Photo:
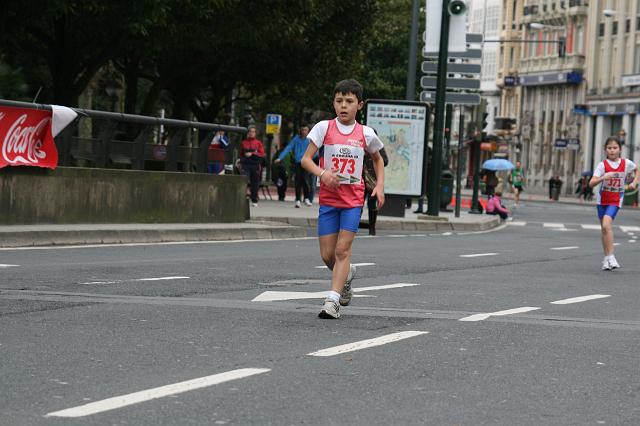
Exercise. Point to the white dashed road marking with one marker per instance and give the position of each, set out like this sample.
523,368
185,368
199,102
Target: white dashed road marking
369,343
565,248
482,317
354,264
147,395
516,223
580,299
593,227
6,265
136,279
478,254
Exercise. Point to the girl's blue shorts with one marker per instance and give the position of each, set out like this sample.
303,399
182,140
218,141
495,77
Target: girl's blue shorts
333,219
611,211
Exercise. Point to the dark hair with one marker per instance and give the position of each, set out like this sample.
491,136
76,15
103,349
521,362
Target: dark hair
613,139
349,86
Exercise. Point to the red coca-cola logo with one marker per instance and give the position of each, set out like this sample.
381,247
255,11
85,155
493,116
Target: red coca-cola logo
23,143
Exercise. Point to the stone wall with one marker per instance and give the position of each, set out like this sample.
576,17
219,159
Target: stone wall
30,195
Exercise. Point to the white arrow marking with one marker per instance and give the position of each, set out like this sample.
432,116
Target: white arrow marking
478,255
272,296
6,265
146,395
354,264
482,317
580,299
565,248
369,343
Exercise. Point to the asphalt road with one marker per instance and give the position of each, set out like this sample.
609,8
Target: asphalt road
513,326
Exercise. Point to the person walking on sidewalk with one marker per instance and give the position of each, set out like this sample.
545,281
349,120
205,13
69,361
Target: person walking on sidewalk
342,143
516,179
252,161
369,176
298,144
611,174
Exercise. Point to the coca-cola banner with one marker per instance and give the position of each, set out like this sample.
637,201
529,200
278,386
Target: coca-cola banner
26,135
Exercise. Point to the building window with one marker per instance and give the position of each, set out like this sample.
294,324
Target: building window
614,29
627,26
636,65
601,29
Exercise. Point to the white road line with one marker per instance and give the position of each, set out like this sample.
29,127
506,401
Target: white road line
482,317
516,223
395,236
354,264
592,227
147,395
565,248
630,228
417,235
478,254
369,343
553,225
272,296
616,244
580,299
6,265
632,241
136,279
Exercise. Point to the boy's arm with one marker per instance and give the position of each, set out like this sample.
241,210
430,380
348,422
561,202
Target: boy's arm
326,176
378,166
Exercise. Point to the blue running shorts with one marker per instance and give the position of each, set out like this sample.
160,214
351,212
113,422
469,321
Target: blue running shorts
611,211
333,219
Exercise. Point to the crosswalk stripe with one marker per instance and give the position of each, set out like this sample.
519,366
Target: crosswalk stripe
162,391
369,343
482,317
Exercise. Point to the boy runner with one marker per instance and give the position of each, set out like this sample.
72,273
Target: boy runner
516,178
342,143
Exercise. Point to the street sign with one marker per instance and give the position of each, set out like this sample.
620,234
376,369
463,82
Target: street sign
432,68
452,98
274,121
466,54
452,83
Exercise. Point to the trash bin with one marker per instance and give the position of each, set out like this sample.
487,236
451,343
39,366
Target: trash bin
630,198
555,192
446,189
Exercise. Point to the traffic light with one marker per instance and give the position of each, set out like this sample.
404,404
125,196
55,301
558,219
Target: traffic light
485,123
562,46
457,7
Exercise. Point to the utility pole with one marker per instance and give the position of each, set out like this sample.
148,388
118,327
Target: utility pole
433,196
410,94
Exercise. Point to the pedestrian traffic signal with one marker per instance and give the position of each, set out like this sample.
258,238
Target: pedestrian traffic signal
457,7
485,123
562,46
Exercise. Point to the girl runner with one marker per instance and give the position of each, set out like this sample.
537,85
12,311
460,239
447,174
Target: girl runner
611,173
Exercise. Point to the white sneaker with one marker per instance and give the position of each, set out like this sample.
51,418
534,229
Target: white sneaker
613,263
347,291
307,202
297,204
330,310
606,266
254,204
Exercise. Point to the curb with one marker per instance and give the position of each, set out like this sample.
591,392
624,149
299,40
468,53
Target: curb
404,225
248,231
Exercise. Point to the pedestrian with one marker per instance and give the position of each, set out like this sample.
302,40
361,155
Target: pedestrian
611,174
280,173
217,146
490,182
516,179
495,207
298,145
252,161
370,180
555,185
342,143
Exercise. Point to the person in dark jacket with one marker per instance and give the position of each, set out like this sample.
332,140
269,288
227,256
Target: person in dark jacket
369,176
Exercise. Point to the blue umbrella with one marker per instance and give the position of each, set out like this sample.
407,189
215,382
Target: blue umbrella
498,164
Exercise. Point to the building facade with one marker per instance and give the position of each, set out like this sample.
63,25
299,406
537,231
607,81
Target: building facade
551,76
612,100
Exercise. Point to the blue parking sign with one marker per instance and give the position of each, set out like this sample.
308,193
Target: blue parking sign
273,123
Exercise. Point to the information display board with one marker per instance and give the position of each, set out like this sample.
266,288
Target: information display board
402,128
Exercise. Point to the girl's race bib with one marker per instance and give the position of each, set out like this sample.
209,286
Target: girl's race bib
345,162
615,184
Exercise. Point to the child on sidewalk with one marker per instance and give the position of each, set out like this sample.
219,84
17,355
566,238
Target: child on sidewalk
611,172
495,207
342,143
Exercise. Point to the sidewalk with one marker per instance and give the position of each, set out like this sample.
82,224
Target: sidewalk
270,219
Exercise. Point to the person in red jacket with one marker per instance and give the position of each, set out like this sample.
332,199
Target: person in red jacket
252,159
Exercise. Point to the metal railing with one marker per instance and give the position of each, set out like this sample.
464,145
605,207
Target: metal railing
138,142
